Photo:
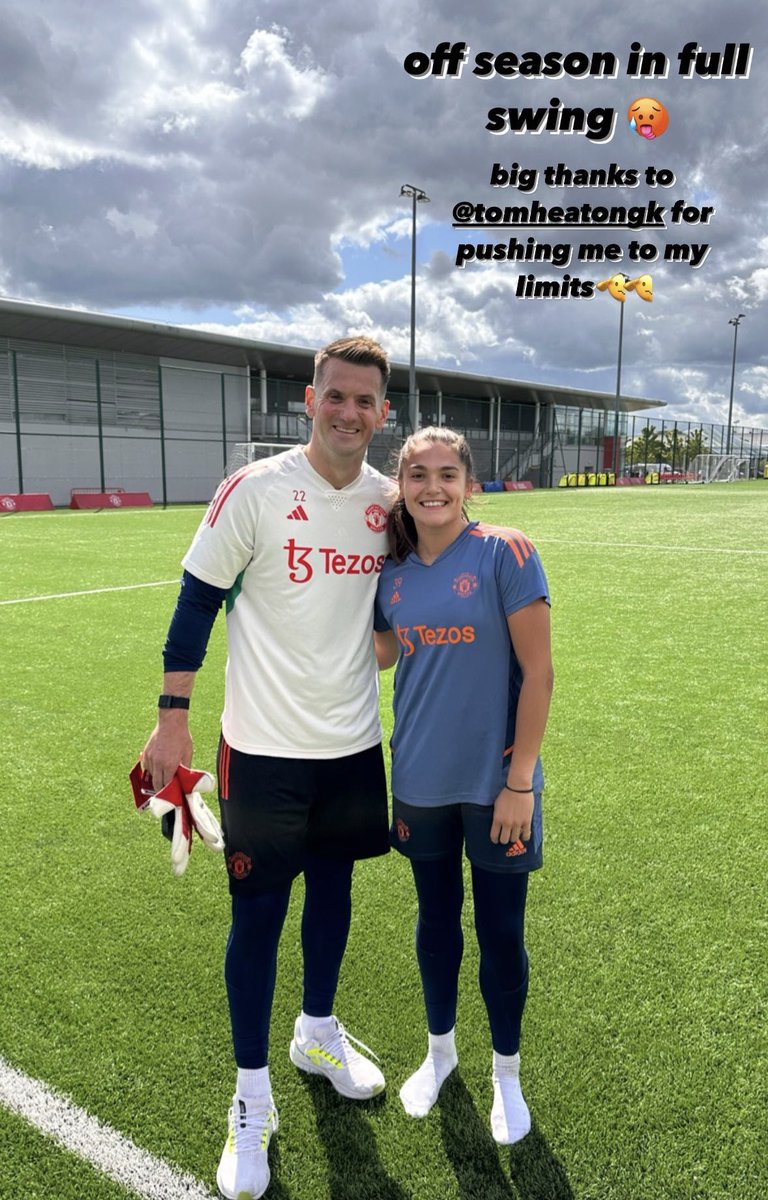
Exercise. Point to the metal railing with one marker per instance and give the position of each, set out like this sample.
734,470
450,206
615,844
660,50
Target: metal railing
72,419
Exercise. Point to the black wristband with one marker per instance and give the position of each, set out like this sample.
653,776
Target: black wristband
522,791
173,701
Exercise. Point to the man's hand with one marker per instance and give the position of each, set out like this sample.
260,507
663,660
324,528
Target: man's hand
170,744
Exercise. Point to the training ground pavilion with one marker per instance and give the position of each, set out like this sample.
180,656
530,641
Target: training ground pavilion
108,403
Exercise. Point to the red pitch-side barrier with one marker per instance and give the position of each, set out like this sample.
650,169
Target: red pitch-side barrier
111,500
524,485
11,502
629,481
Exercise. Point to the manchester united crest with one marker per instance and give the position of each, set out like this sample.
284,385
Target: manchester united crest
239,865
376,518
464,585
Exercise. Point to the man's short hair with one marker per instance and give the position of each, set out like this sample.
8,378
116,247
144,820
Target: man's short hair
363,351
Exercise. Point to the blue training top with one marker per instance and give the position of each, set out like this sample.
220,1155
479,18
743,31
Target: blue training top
457,680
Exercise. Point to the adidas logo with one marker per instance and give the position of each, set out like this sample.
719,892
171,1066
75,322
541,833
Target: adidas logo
298,514
515,849
394,598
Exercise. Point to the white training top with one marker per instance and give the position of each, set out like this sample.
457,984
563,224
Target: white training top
300,561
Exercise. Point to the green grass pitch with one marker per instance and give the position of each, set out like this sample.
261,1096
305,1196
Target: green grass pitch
645,1054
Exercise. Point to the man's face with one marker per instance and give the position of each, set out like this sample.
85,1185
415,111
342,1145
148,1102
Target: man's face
346,410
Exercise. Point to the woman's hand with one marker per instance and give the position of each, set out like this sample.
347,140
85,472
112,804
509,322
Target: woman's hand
512,816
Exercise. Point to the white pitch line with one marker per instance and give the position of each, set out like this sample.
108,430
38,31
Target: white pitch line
98,1144
128,587
651,546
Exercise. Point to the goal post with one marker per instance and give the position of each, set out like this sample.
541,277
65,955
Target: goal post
244,453
719,468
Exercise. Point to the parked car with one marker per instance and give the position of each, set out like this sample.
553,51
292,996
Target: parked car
640,470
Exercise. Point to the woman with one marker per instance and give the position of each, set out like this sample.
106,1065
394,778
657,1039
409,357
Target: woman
463,609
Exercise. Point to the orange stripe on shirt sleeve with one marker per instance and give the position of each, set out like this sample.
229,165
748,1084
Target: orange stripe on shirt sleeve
515,550
522,542
518,543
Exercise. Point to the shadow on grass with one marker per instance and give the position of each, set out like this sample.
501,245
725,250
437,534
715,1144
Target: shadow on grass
355,1171
536,1173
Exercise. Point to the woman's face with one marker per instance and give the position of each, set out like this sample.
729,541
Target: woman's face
434,486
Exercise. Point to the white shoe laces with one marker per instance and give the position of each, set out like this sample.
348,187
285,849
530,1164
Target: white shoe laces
339,1041
251,1126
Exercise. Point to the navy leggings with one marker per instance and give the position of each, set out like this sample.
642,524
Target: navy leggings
250,962
499,924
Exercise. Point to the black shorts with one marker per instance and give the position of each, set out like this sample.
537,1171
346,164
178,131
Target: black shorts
425,833
276,811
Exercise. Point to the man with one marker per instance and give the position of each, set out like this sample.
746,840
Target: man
294,543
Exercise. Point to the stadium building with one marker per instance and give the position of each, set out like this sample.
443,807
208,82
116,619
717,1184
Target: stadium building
89,401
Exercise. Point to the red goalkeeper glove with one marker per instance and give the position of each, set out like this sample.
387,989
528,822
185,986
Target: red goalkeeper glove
181,809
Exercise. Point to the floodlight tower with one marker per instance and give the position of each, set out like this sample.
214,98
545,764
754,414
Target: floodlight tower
618,285
735,321
419,197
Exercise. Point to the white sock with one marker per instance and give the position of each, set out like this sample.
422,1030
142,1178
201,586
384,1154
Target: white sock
419,1093
510,1118
253,1084
316,1029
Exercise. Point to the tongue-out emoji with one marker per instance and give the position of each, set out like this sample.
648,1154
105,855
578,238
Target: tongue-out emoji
647,117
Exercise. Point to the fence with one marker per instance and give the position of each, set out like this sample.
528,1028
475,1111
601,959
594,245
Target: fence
72,417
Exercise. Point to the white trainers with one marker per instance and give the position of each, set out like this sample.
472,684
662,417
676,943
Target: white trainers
243,1172
351,1074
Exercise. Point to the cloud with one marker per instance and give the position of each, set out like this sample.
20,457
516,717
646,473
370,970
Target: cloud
277,86
248,155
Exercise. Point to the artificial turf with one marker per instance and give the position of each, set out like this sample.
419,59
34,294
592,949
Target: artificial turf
645,1058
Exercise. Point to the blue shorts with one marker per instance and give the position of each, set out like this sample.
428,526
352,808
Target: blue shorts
424,833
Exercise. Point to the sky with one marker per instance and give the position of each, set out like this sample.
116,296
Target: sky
237,166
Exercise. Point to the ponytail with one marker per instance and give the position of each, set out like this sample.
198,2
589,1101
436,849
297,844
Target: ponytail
401,532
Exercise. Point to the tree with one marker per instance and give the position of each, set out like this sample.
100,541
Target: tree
673,448
696,444
645,448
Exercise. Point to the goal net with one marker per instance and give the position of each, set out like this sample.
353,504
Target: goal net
719,468
248,452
